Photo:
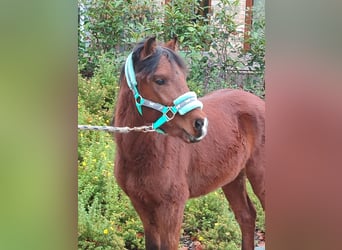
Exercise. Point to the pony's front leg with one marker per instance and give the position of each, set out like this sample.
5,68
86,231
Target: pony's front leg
162,224
170,223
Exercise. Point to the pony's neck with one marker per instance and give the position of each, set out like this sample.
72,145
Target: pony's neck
126,112
132,143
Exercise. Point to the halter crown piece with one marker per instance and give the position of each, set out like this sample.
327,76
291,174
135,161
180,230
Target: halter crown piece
182,104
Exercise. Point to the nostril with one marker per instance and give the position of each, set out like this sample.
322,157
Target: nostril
199,124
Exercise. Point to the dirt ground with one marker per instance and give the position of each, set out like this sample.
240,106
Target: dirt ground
194,244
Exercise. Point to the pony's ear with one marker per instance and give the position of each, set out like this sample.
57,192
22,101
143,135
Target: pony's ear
172,44
149,47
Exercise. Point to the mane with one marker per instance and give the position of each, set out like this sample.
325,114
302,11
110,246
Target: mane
148,65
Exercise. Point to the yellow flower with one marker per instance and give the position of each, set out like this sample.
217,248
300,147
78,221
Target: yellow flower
105,231
200,238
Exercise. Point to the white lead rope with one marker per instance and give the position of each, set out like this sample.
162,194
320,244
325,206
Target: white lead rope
116,129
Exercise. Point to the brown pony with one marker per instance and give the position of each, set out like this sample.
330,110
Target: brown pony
160,172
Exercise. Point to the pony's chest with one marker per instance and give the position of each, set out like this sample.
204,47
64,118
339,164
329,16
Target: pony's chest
150,182
141,172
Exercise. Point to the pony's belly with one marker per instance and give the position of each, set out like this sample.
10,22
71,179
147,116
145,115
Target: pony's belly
202,185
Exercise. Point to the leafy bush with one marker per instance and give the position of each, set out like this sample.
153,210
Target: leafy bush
111,27
211,44
97,95
256,54
257,40
210,220
106,218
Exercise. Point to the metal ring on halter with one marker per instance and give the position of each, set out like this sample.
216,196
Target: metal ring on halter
139,99
173,113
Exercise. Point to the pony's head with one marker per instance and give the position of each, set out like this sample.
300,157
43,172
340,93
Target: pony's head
156,74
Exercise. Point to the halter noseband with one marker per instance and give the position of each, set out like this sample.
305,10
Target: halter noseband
182,105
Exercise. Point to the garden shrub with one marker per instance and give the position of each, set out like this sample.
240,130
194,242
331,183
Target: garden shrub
211,44
106,218
105,214
210,220
97,95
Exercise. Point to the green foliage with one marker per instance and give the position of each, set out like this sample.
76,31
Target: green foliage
217,59
211,44
183,18
106,218
257,40
111,26
96,226
210,220
97,95
255,57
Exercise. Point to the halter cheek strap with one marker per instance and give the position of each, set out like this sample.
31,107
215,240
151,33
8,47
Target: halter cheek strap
182,105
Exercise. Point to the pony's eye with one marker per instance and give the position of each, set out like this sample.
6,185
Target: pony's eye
160,81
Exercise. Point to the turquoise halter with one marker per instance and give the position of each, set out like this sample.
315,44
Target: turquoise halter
182,105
